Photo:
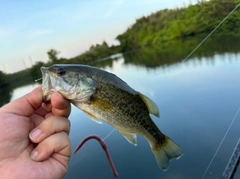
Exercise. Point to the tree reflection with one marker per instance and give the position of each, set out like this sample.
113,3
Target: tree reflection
163,54
177,50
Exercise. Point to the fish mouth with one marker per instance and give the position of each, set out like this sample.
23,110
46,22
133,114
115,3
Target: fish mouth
48,84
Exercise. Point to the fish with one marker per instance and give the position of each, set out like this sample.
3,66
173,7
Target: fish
103,96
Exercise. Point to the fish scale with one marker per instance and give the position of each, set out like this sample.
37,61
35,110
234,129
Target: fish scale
134,115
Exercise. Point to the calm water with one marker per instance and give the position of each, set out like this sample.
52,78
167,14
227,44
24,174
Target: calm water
197,99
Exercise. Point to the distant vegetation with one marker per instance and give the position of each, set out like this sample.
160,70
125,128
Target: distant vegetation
95,52
169,30
170,24
3,80
4,89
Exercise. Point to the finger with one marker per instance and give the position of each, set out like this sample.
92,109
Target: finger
27,104
60,105
49,126
56,143
44,109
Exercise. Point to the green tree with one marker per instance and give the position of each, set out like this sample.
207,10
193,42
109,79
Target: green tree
3,80
52,55
5,90
35,70
169,24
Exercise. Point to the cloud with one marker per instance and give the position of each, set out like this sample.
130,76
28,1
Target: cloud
117,4
39,33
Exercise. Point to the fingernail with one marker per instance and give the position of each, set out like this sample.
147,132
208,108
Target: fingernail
34,155
35,134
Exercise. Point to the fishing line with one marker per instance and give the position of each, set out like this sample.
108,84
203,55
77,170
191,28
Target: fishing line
211,33
221,142
239,107
185,60
108,134
87,131
37,81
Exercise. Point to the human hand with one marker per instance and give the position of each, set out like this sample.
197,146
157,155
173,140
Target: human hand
22,153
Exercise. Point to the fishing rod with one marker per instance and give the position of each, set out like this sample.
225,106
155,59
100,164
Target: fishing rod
234,118
233,163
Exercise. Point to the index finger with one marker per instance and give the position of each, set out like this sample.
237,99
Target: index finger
27,104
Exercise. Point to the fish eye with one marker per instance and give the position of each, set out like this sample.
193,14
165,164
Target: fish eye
61,71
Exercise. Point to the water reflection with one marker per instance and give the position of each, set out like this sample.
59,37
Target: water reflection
161,55
197,101
175,51
18,92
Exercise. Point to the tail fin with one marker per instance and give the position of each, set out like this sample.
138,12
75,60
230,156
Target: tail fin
167,152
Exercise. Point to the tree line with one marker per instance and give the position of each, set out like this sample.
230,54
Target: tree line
157,28
169,24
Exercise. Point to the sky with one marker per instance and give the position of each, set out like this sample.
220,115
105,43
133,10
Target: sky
28,29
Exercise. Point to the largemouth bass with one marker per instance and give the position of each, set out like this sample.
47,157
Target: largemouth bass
104,96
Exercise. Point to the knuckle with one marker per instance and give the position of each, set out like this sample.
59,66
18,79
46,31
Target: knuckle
49,124
68,124
56,124
56,143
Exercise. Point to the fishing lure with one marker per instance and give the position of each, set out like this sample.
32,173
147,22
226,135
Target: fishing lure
104,147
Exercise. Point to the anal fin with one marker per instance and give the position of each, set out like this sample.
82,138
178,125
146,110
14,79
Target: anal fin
131,137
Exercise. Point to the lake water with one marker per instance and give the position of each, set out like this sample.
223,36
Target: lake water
198,99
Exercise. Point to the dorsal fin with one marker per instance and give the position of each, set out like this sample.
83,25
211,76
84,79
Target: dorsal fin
152,107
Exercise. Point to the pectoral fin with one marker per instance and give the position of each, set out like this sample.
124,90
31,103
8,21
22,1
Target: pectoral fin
101,104
131,138
94,118
152,107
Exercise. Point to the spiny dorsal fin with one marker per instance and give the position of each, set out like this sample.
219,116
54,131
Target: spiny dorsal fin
152,107
131,137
